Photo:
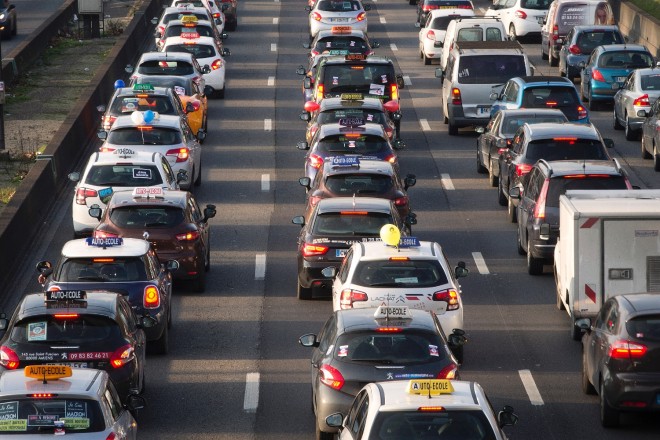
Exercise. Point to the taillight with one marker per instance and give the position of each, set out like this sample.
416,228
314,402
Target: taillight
161,29
427,8
106,150
391,158
628,184
111,436
83,193
465,6
401,201
65,316
596,75
216,15
319,92
555,32
215,65
394,91
331,377
520,14
456,96
349,296
574,49
522,169
313,130
122,356
181,154
42,395
361,16
8,358
315,52
108,121
313,200
582,112
642,101
316,16
625,350
539,209
450,296
312,250
315,161
103,234
151,298
196,105
389,131
188,236
449,372
389,329
431,35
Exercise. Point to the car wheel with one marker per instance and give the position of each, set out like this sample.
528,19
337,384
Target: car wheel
160,345
480,168
512,215
591,105
143,384
207,261
512,33
198,179
645,153
544,56
320,435
452,129
534,265
656,158
615,121
446,120
551,59
501,197
458,353
609,417
220,94
521,249
576,332
169,314
14,30
492,178
559,304
587,388
199,283
304,293
427,61
631,135
421,55
412,2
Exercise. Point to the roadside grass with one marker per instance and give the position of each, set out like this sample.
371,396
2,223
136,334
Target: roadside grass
650,6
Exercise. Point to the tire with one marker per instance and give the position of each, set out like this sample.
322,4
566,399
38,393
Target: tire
492,178
14,30
199,283
576,332
645,153
458,353
592,105
511,213
512,33
160,345
631,135
559,304
207,261
421,55
534,265
169,314
609,417
521,249
198,178
320,435
544,56
220,94
304,293
427,61
446,120
480,168
452,129
587,388
501,197
615,122
583,97
551,59
412,2
656,159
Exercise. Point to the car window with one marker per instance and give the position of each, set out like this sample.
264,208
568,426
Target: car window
650,81
625,59
400,273
353,412
144,135
124,175
72,328
369,79
565,149
327,334
360,418
350,223
176,82
601,319
352,143
441,23
171,67
348,184
646,327
338,5
102,269
589,40
115,407
490,69
612,318
559,186
147,216
128,104
175,30
512,123
345,266
470,34
179,16
352,44
197,50
167,170
153,265
549,97
493,34
410,346
532,184
37,416
450,424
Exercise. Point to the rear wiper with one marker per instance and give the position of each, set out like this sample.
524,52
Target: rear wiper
388,284
373,361
147,225
92,278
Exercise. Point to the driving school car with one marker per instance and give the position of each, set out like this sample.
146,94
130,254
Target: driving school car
341,40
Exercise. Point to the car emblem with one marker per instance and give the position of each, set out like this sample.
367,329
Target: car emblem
390,376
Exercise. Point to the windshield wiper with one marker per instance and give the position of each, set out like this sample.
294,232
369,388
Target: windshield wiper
388,284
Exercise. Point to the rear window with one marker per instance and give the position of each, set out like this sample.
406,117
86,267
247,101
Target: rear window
348,184
588,41
450,4
38,416
441,23
550,97
625,60
349,44
175,30
181,85
535,4
370,79
400,273
646,328
353,144
476,33
559,186
124,175
339,6
197,50
511,124
144,136
414,425
128,104
407,347
47,329
369,115
156,67
147,216
337,224
650,82
490,69
102,270
572,14
565,149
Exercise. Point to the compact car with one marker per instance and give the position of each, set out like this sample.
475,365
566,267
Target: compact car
581,41
633,101
328,13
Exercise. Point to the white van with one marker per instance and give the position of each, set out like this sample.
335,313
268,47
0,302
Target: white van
432,34
471,29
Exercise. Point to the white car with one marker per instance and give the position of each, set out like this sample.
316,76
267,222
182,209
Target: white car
120,170
166,134
177,13
520,17
173,63
418,276
190,24
401,409
432,34
207,53
216,13
328,13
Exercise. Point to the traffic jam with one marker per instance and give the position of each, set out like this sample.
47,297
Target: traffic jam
400,321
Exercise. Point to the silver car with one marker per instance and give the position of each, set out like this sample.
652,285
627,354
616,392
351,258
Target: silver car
634,99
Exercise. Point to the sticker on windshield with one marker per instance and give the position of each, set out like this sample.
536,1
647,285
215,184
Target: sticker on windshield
179,90
383,79
129,105
141,173
407,280
351,144
36,331
8,410
105,194
343,351
13,425
76,422
335,80
376,89
370,117
75,409
433,350
42,419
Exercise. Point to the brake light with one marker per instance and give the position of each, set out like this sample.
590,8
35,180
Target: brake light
551,103
106,150
108,121
389,329
313,200
361,16
465,6
104,234
449,372
353,213
431,408
391,158
520,14
398,259
315,52
8,358
427,8
215,65
188,236
312,250
450,296
331,377
151,298
319,92
626,350
42,395
350,296
111,436
456,96
585,176
555,32
122,356
401,201
216,15
430,35
181,154
315,161
65,315
574,49
103,260
394,91
539,209
83,193
582,112
596,75
628,184
316,16
522,169
642,100
389,131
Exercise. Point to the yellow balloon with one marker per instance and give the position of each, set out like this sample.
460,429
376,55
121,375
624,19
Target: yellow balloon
390,234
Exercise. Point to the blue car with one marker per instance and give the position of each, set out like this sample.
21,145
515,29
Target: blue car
579,43
607,70
546,92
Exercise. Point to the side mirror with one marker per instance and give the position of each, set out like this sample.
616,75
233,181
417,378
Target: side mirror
226,52
306,46
307,83
609,143
206,69
201,134
95,211
506,417
457,338
480,129
302,145
514,193
643,113
308,340
329,272
367,7
298,220
411,219
147,321
439,73
45,268
396,116
308,8
218,21
335,420
305,116
224,35
74,177
136,402
190,108
375,44
460,271
494,96
171,265
583,323
154,20
209,212
305,181
399,144
100,108
301,70
102,134
400,82
129,68
409,181
182,176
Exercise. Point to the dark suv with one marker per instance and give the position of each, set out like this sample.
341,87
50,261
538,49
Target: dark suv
538,206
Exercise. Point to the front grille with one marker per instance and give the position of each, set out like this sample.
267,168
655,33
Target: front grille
652,273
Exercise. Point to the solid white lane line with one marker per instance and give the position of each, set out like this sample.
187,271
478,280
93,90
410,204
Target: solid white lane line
406,80
446,181
251,400
273,47
260,266
482,10
530,386
393,47
265,182
276,20
268,124
425,125
271,81
481,263
382,20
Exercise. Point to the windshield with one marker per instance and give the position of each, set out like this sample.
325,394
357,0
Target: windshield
146,135
176,29
588,41
560,185
400,273
156,67
565,149
476,33
179,16
550,97
450,4
490,69
38,416
147,216
339,5
335,224
197,50
444,424
349,184
350,44
625,60
441,23
157,103
352,144
645,328
369,115
511,124
369,79
124,175
102,270
73,329
406,347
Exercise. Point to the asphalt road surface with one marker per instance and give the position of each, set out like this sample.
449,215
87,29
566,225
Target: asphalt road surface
235,369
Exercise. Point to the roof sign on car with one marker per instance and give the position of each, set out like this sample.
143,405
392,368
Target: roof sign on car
48,372
429,387
66,295
407,242
387,312
188,19
346,161
342,29
144,192
104,242
190,35
143,88
352,96
125,152
351,122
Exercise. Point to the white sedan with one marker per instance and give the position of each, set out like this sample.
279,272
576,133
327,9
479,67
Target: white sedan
328,13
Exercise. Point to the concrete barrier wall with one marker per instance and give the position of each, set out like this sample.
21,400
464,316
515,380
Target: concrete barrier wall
639,27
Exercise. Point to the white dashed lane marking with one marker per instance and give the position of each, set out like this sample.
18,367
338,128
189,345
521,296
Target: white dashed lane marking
271,81
406,80
425,125
530,386
446,182
276,20
382,20
268,124
393,47
260,266
251,400
481,263
273,47
265,182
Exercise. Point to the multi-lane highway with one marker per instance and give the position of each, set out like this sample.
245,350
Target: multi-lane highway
235,369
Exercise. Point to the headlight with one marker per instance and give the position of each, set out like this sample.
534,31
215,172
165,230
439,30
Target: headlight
2,16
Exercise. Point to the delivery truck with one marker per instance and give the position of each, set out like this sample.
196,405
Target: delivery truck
609,244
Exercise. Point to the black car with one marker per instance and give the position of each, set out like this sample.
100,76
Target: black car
8,26
426,6
77,328
359,346
538,206
332,227
621,356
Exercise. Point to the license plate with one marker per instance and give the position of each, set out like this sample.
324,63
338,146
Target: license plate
72,364
340,253
340,20
483,111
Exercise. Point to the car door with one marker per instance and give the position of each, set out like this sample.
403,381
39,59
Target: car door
122,421
531,188
622,96
596,342
486,141
507,160
197,216
326,338
563,52
585,75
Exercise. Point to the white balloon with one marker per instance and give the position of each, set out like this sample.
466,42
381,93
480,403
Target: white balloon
137,118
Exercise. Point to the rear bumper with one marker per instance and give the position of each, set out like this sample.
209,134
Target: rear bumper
457,117
634,387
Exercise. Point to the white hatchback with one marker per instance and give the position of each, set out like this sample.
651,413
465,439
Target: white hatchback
418,276
432,34
520,17
328,13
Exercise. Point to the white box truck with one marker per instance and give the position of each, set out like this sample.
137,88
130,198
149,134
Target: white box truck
609,244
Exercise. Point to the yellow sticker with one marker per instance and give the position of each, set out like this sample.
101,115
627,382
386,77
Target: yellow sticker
75,423
13,425
433,387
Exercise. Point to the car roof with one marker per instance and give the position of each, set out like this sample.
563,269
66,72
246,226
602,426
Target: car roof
84,382
530,111
550,80
577,167
112,158
131,247
371,59
172,121
366,166
371,204
170,198
363,319
174,56
647,71
488,47
559,129
642,302
626,46
596,27
395,398
99,302
337,103
377,250
333,129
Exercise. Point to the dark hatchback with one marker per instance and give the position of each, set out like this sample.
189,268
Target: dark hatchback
330,230
621,356
424,7
93,329
359,346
